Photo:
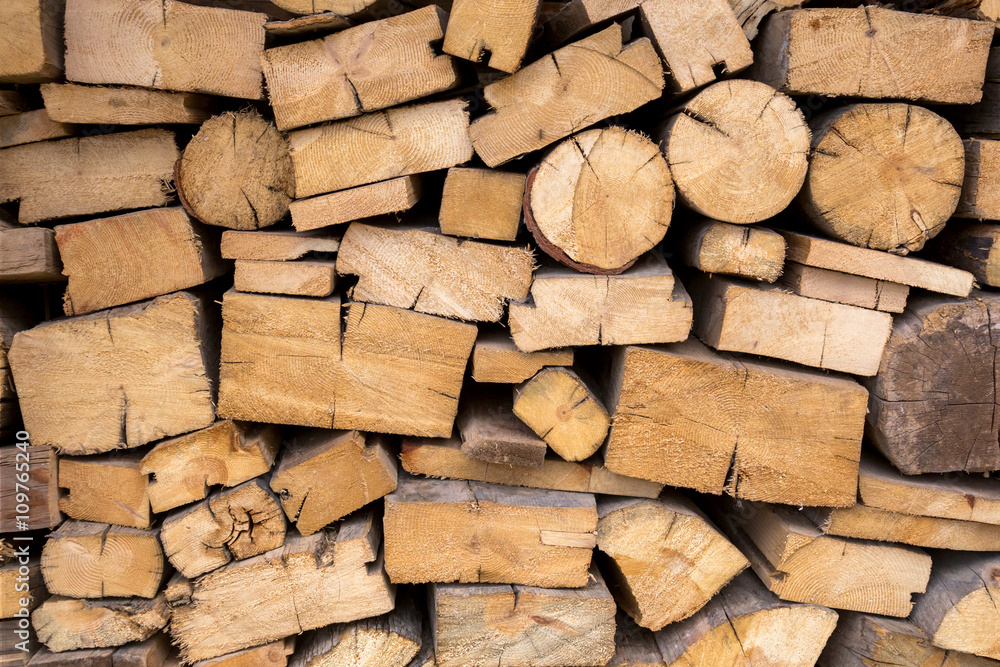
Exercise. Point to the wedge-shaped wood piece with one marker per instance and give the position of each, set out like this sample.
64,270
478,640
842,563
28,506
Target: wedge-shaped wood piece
932,406
366,68
165,44
306,277
826,52
281,245
738,426
559,406
379,146
115,105
21,583
114,261
972,247
578,85
982,178
714,246
473,532
396,371
664,557
98,174
106,488
65,624
481,203
94,560
28,255
31,41
365,201
308,26
153,652
503,28
183,469
495,358
845,288
642,305
274,654
333,576
410,267
42,491
922,531
491,432
476,625
745,622
31,126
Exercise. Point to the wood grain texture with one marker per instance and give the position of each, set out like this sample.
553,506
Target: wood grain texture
364,201
971,247
106,488
845,288
116,105
28,255
66,624
280,245
982,177
43,492
482,203
32,33
491,432
304,277
563,410
713,246
502,27
495,358
31,126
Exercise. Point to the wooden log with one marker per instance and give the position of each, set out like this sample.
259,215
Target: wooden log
372,381
737,151
634,646
280,245
32,41
576,16
105,488
845,288
491,432
410,267
959,610
323,476
305,277
117,379
66,624
563,410
476,625
236,172
983,117
932,404
94,560
341,7
358,70
822,334
22,585
332,576
131,257
274,654
594,78
745,622
43,493
663,557
600,184
751,12
154,652
181,470
482,204
445,458
495,358
982,177
870,523
12,102
31,126
825,52
448,531
28,255
19,652
167,45
365,201
380,145
308,26
883,176
97,174
971,247
640,306
504,30
713,246
107,105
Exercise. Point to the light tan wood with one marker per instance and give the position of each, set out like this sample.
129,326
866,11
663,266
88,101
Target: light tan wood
495,358
883,176
88,175
982,178
274,654
181,470
559,406
365,201
167,45
279,245
479,625
845,288
154,652
28,255
826,52
750,13
491,432
467,532
380,145
332,576
43,492
126,258
714,246
481,203
21,584
737,151
305,277
341,7
308,26
106,488
592,79
65,624
358,70
503,28
31,41
283,362
31,126
74,103
971,247
94,560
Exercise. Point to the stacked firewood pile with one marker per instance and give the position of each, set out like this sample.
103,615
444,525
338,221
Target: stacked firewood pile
499,333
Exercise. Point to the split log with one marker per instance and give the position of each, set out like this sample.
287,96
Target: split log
982,179
323,476
932,405
97,174
495,358
491,432
380,145
832,336
448,531
12,102
28,255
31,126
106,105
478,625
365,201
983,117
640,306
22,586
280,245
870,523
274,654
409,267
106,488
592,79
445,458
504,29
663,557
562,409
167,45
482,204
358,70
734,425
751,12
32,41
598,185
634,646
826,52
116,379
66,624
746,623
43,493
333,576
283,362
845,288
737,151
972,247
308,26
136,256
713,246
95,560
236,172
296,278
154,652
883,176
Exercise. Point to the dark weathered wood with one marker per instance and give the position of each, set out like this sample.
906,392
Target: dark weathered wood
491,432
